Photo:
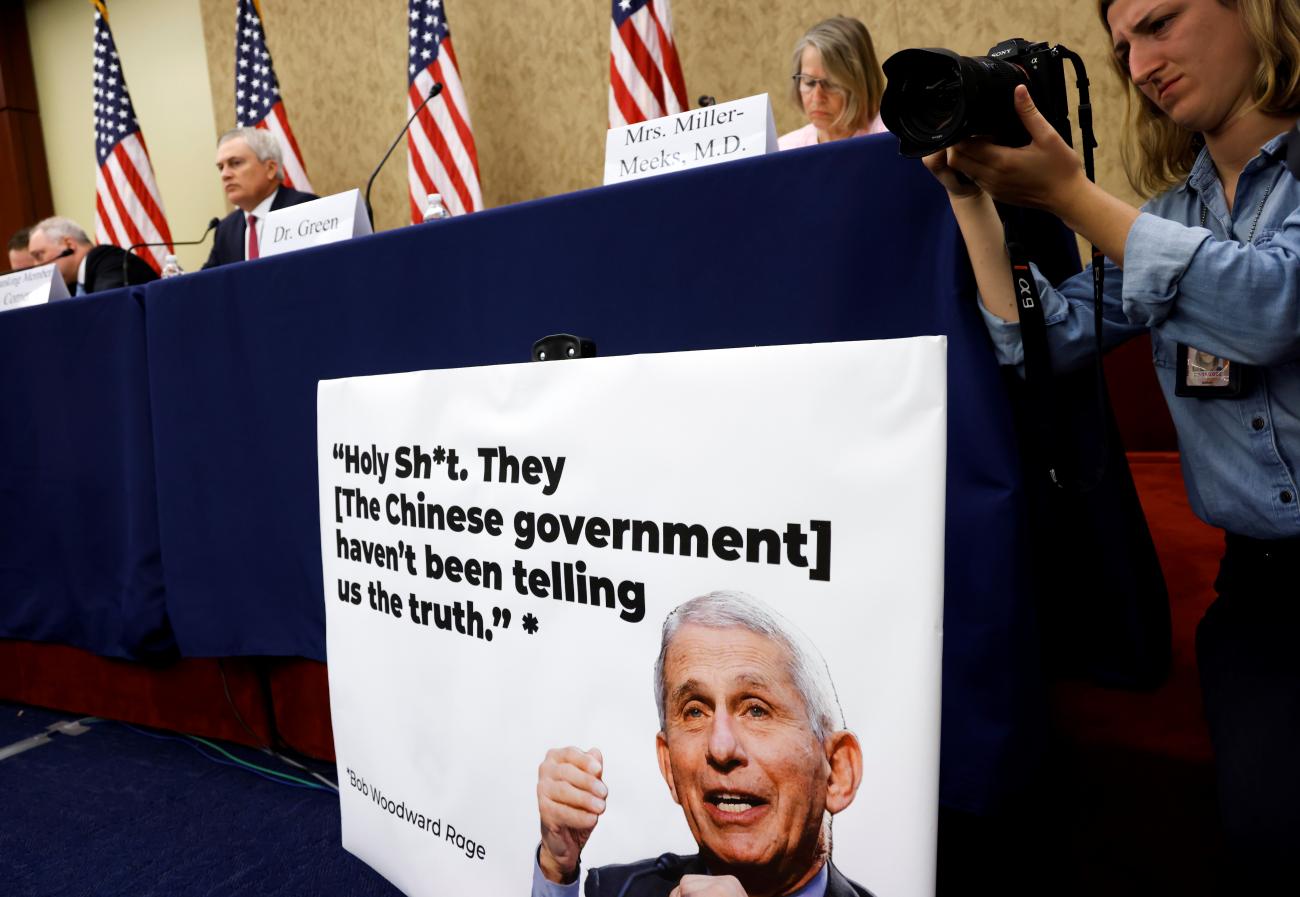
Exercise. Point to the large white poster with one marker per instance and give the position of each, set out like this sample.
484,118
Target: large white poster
501,547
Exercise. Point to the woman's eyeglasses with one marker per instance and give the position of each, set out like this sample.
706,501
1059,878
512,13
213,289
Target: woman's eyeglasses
807,84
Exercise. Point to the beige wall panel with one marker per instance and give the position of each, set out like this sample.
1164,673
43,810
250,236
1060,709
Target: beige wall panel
535,80
535,71
161,43
340,68
539,95
536,74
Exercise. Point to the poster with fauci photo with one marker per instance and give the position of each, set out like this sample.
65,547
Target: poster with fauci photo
620,623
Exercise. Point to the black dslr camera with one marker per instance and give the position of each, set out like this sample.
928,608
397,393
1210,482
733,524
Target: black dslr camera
935,98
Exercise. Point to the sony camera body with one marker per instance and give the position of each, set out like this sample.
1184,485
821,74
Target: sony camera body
935,97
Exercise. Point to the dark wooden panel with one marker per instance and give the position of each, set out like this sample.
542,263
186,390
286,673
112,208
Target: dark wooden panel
17,82
32,141
15,209
24,173
24,182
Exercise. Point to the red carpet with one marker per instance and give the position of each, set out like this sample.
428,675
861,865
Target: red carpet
1168,721
1137,766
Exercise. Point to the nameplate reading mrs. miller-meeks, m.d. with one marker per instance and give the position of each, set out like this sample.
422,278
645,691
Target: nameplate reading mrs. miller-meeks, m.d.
32,287
325,220
740,129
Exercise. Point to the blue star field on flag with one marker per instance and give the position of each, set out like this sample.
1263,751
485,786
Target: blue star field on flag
427,28
625,9
114,115
256,87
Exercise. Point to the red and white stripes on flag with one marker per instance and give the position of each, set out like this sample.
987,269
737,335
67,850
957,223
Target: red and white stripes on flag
441,157
258,103
128,207
645,76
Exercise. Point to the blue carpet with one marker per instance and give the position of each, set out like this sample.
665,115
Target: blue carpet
116,812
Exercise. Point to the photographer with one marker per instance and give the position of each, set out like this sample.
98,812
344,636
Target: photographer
1211,267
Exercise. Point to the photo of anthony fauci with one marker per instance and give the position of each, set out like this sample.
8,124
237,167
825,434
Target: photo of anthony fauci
753,747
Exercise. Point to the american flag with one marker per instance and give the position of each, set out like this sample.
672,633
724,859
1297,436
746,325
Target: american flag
645,76
128,207
441,157
258,103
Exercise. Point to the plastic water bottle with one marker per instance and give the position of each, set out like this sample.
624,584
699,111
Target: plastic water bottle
171,268
435,210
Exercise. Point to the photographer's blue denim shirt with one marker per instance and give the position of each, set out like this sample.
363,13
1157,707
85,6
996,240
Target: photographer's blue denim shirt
1211,289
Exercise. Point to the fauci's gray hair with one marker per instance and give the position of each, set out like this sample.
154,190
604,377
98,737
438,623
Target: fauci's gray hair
727,610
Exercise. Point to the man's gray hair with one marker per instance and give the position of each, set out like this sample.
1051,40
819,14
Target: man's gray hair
57,228
263,144
725,610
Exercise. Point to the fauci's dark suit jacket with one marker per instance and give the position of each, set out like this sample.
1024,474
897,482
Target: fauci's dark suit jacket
104,269
657,878
228,245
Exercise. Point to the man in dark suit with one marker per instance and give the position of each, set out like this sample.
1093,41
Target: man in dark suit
252,174
86,268
753,748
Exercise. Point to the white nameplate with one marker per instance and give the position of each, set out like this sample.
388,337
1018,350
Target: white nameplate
32,287
740,129
325,220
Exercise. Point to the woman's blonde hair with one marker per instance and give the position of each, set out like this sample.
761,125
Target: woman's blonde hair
1159,153
850,61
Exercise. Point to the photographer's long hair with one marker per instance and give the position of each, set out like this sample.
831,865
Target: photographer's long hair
1157,153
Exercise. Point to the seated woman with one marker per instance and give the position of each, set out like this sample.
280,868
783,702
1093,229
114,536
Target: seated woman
836,83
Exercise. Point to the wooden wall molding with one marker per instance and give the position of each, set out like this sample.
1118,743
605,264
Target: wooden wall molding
24,175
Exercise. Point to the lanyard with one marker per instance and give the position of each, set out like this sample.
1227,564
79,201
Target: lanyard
1258,211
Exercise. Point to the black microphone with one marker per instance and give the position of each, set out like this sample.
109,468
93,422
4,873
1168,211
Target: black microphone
706,100
669,865
433,92
67,251
126,277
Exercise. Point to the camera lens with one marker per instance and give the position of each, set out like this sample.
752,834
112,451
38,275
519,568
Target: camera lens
923,98
936,104
935,98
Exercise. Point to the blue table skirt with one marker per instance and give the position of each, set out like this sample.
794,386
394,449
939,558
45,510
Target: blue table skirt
202,404
79,556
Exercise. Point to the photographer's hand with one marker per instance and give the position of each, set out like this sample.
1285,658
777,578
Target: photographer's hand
957,185
1043,174
1046,174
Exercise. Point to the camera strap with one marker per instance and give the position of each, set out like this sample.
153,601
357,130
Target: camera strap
1038,361
1045,418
